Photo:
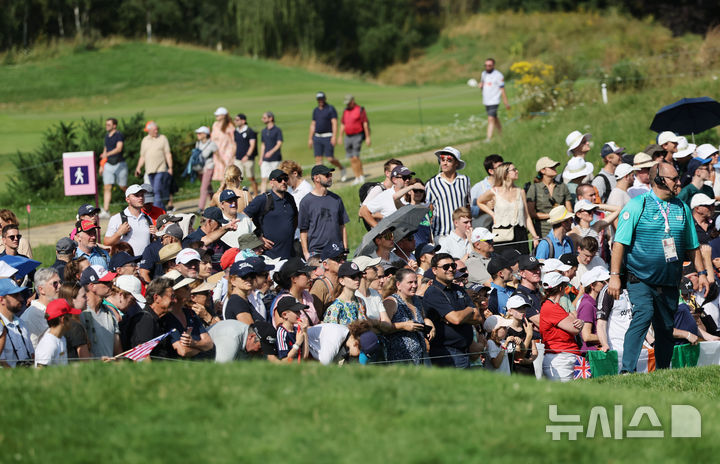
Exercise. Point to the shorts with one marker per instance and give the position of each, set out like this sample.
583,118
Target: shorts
353,144
266,167
115,174
559,366
491,110
247,168
323,147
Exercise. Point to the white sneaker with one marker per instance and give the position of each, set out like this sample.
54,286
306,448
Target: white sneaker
104,214
343,176
356,181
361,180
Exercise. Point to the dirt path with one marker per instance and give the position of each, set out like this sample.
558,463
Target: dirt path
50,233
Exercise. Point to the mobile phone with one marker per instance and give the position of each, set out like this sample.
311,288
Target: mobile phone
426,329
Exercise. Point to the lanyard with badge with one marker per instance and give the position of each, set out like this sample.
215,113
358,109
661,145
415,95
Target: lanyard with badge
668,242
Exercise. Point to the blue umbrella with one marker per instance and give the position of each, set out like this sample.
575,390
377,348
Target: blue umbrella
687,116
23,265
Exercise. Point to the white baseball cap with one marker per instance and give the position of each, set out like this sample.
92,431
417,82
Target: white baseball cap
516,301
574,139
134,189
221,111
667,136
177,278
495,321
553,279
700,199
186,255
132,285
202,129
596,274
554,265
623,170
705,151
481,234
364,262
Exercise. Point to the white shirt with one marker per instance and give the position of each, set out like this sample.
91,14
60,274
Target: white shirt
492,84
51,351
599,182
454,245
383,203
478,189
34,319
618,197
582,269
326,341
255,298
17,337
373,192
619,321
493,351
139,235
373,303
299,193
638,188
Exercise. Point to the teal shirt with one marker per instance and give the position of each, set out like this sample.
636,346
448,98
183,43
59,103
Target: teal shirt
641,228
689,191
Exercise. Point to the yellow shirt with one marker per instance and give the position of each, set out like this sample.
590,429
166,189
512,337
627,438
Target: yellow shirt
154,150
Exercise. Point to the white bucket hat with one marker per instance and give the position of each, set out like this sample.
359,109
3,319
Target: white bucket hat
574,139
452,152
706,150
667,136
684,148
577,167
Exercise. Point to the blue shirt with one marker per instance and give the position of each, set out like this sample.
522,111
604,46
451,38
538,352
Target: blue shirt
543,249
242,143
641,228
323,118
323,219
98,256
111,143
278,225
498,298
684,320
270,137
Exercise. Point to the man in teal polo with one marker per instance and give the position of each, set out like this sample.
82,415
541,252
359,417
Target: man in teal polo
654,236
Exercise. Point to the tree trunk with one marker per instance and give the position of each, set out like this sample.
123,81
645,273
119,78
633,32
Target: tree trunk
78,26
25,26
148,26
61,29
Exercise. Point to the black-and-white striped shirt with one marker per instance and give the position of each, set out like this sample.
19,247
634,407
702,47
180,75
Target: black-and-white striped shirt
446,197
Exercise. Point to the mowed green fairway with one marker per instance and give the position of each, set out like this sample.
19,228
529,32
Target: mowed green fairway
256,412
182,86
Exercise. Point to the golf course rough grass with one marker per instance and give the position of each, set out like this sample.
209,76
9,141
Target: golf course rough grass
258,412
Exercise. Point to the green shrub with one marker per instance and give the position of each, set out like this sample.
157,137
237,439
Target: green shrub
625,75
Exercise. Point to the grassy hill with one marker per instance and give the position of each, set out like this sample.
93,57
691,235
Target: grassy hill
577,44
251,412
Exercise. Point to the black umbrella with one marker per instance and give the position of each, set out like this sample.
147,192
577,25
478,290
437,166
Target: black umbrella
408,218
687,116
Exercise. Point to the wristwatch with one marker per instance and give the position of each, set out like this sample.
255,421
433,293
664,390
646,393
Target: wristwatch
703,272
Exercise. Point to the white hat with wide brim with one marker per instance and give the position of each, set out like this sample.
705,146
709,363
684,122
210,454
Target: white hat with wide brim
577,167
454,152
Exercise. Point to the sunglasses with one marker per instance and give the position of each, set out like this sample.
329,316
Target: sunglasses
448,266
14,237
282,179
447,158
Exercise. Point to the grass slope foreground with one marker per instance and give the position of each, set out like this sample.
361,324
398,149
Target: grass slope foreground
255,412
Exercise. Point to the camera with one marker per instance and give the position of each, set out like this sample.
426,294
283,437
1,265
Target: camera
511,347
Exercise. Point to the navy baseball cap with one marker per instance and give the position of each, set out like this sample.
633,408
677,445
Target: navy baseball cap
320,95
401,171
529,263
569,259
87,209
242,268
228,195
65,246
332,250
369,343
289,304
277,174
320,169
497,263
266,334
122,258
215,214
425,249
259,265
511,255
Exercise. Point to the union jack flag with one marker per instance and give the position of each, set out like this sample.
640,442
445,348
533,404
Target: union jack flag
142,351
582,368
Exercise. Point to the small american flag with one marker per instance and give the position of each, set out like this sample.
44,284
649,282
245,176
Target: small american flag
142,351
582,368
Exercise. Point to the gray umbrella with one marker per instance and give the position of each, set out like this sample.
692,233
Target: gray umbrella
408,217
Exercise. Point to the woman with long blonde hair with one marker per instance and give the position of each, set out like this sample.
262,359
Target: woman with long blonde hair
232,181
222,134
511,219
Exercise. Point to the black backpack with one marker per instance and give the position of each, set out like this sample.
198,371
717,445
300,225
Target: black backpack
267,207
365,189
608,187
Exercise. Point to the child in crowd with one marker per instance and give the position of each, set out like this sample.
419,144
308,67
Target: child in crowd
499,345
291,344
521,328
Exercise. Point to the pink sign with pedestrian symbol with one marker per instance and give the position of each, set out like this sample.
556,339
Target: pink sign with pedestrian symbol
79,173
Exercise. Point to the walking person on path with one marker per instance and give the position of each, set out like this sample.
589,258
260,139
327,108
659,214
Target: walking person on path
492,83
323,133
222,134
355,127
114,170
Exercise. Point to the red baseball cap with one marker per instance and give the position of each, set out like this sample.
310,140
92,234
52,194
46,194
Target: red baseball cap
228,258
59,307
86,226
